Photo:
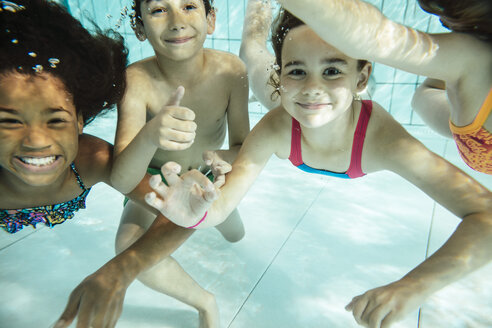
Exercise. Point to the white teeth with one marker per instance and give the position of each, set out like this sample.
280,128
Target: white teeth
38,161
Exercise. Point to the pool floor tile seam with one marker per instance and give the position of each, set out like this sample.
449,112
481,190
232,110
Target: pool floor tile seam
275,256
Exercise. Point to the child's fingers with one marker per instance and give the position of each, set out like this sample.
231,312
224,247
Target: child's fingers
219,180
170,171
160,187
176,97
154,201
208,157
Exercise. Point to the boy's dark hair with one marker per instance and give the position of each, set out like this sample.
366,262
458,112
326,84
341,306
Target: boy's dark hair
41,36
282,24
209,8
470,16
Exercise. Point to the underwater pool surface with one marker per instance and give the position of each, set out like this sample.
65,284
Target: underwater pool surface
312,242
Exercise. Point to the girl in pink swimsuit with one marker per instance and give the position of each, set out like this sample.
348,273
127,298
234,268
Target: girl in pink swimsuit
323,128
458,64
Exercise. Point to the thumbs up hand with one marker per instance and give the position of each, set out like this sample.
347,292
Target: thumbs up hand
173,128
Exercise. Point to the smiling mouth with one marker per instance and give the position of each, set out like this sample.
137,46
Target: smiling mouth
179,40
313,106
38,161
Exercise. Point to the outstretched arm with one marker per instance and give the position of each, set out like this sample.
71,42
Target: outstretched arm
98,300
361,31
465,251
189,196
259,61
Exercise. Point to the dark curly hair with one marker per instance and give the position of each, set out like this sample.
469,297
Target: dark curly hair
137,12
40,35
282,24
470,16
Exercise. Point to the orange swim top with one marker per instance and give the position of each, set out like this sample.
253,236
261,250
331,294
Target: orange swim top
474,141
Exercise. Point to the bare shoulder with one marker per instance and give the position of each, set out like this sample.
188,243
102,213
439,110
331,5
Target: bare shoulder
94,159
142,71
386,140
225,62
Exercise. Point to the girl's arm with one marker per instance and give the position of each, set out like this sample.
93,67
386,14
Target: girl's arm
237,110
465,251
431,103
185,202
254,52
361,31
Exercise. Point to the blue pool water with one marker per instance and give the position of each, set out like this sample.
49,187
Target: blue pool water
307,250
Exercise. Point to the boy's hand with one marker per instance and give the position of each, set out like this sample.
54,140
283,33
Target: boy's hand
173,128
218,166
186,198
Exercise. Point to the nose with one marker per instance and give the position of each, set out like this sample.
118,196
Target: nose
36,138
176,21
312,87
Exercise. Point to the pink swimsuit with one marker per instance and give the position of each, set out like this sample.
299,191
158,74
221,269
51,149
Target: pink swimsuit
354,170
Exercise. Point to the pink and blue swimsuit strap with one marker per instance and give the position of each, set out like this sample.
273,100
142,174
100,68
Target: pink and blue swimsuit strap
355,169
51,215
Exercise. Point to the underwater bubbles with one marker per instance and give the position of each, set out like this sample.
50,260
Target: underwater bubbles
38,68
10,6
53,62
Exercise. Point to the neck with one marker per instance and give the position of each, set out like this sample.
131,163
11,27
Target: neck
183,72
18,189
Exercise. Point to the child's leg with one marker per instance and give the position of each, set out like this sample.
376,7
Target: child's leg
431,103
168,276
232,228
259,61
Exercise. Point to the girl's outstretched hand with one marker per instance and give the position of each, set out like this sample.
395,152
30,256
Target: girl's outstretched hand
383,306
185,199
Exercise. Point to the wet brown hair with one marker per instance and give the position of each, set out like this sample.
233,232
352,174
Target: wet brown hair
283,23
41,36
466,16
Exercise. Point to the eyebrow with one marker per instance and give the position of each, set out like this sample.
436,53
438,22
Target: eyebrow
8,110
327,61
50,110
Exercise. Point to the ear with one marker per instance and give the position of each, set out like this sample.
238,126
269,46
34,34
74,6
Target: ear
80,123
139,30
211,22
364,74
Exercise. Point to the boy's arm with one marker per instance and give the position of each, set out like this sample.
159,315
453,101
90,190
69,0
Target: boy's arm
465,251
360,30
137,141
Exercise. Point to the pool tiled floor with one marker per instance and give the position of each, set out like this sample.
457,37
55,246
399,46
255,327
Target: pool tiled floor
311,244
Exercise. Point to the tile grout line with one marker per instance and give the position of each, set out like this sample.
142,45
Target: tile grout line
419,319
22,238
275,257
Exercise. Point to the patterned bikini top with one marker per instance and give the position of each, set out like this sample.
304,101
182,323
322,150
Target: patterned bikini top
51,215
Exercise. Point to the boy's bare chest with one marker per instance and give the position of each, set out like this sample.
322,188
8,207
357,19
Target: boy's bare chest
209,104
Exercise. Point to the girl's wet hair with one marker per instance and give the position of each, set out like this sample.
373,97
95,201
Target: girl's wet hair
137,12
43,37
470,16
281,26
